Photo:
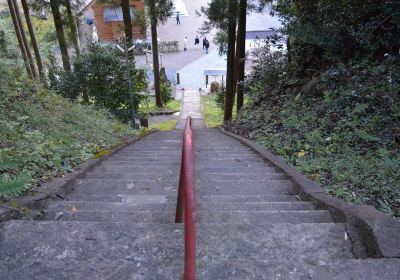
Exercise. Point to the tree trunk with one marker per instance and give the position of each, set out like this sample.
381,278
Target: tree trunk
230,73
127,21
241,53
55,9
72,26
154,49
25,40
33,38
19,38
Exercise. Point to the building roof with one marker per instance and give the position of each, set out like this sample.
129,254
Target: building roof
81,5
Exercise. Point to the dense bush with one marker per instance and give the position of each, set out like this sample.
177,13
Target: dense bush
99,78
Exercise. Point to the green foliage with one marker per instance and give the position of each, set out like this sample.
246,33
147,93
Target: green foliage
99,78
166,93
324,32
220,96
150,106
46,36
164,126
43,135
341,127
13,187
212,113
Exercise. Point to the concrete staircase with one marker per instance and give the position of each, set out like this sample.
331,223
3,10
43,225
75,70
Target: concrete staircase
118,223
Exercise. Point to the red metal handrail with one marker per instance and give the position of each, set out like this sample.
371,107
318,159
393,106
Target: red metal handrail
186,201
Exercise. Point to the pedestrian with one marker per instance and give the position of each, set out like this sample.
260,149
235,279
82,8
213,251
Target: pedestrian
178,20
204,42
207,45
196,41
185,41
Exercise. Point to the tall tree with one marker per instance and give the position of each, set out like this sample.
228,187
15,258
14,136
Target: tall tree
230,71
241,53
25,40
33,37
19,38
72,26
55,9
158,11
126,13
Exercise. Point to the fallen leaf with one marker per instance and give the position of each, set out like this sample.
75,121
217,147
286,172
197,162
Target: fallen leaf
58,215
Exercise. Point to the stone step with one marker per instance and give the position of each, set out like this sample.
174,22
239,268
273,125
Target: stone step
169,204
138,169
202,198
198,164
149,153
167,176
154,187
240,176
148,161
348,269
218,217
76,250
177,153
242,169
157,147
365,269
140,164
159,157
171,169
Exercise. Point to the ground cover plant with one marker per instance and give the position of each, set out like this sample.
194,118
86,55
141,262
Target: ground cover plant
44,135
329,104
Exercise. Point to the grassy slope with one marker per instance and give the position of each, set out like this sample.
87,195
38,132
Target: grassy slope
343,134
43,135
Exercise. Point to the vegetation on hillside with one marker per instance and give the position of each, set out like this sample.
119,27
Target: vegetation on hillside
43,135
329,105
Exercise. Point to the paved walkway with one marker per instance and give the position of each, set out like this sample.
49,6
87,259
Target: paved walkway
192,75
191,106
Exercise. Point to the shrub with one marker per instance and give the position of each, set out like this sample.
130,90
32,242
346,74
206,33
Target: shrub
220,96
98,77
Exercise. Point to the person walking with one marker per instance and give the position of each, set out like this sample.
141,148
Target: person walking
207,45
196,41
204,42
185,41
178,19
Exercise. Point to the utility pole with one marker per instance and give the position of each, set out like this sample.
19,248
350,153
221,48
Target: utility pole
126,51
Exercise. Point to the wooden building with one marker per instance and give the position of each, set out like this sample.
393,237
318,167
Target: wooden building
108,19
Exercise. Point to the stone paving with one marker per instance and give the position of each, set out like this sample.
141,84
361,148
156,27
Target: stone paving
191,106
182,61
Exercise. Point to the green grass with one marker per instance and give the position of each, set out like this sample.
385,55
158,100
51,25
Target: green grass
212,114
174,105
164,126
43,135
